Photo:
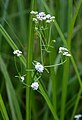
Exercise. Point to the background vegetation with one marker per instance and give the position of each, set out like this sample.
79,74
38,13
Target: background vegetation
63,83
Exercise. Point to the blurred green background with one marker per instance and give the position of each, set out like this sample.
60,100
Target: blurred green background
14,17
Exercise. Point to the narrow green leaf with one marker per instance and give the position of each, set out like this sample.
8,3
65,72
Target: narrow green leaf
14,105
45,96
11,43
3,109
72,23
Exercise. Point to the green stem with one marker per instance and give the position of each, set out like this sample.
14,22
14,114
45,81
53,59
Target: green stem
53,78
41,49
52,56
45,96
29,65
76,70
3,109
76,104
60,33
64,88
66,70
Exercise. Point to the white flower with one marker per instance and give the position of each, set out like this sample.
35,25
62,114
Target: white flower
48,16
17,52
78,116
39,67
33,12
34,85
41,16
66,54
61,49
22,78
64,51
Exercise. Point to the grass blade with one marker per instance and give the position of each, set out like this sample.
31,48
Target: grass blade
11,43
72,23
11,93
3,109
45,96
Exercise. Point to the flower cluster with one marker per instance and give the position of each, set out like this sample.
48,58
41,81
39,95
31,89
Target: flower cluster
77,117
64,51
39,67
17,52
34,85
42,17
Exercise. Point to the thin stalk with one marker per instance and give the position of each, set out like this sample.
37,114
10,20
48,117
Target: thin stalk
69,13
53,79
45,96
76,70
60,33
41,49
65,72
29,65
64,88
76,104
52,72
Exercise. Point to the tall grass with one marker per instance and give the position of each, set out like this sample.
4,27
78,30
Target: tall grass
60,86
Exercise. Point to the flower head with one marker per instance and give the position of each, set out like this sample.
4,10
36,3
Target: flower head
34,85
41,16
39,67
17,52
64,51
78,116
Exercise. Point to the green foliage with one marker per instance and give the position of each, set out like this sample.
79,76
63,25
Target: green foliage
60,86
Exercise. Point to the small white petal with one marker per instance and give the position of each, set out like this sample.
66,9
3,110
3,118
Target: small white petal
63,49
65,53
22,78
68,55
41,14
48,16
33,12
48,21
39,67
53,17
34,85
17,52
78,116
